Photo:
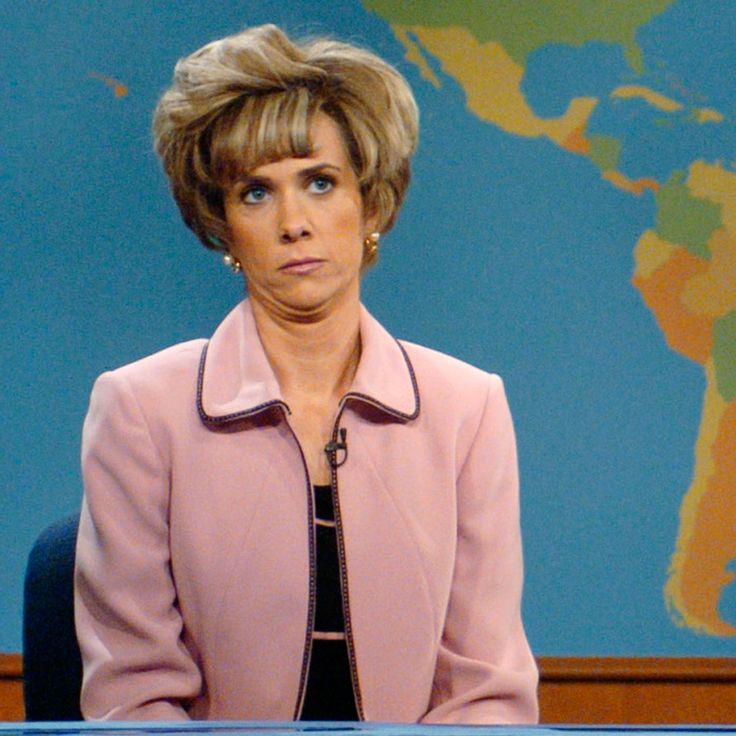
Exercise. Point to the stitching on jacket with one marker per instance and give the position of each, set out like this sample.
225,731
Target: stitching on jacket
342,559
312,591
208,418
384,407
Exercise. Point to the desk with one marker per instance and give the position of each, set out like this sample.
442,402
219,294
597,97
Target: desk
272,728
581,690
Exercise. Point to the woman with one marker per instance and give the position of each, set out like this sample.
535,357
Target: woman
301,517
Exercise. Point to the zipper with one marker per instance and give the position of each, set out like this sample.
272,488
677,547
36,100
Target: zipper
343,567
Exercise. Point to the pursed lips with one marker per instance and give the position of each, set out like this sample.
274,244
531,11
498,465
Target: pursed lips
301,265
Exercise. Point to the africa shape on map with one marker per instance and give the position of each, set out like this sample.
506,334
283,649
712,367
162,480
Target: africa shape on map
685,263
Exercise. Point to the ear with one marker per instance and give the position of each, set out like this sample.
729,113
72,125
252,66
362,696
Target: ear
370,224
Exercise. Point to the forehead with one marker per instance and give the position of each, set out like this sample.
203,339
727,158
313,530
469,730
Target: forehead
326,146
265,129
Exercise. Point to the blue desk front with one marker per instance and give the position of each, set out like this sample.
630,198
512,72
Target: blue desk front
231,728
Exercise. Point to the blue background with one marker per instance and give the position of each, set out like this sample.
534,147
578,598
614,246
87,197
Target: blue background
510,253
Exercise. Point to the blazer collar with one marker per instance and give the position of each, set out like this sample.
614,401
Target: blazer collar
236,382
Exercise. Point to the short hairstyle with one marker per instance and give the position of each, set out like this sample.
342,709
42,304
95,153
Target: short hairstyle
249,98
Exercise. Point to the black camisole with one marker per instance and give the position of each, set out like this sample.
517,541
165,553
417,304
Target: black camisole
329,692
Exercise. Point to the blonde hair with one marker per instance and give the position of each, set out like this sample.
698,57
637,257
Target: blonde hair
249,98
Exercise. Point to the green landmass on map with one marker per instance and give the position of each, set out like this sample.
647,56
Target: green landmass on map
521,26
684,219
724,355
605,151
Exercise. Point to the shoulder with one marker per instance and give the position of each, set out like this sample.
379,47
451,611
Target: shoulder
437,372
167,374
456,397
463,402
164,364
149,400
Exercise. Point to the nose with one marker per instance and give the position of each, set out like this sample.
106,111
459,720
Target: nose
293,222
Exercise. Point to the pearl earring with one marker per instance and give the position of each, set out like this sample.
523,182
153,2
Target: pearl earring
232,263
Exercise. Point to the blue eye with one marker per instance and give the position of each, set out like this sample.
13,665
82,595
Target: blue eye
321,184
254,194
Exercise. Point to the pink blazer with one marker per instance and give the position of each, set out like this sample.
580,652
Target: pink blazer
195,559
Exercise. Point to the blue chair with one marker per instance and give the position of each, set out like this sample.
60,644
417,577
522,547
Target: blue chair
52,665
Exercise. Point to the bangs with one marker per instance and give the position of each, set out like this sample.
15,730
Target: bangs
258,130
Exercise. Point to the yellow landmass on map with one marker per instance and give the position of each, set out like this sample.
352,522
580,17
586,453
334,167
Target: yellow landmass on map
714,182
666,104
415,56
655,99
650,253
708,115
492,83
713,293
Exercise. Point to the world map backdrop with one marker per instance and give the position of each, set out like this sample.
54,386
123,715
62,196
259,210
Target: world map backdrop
571,225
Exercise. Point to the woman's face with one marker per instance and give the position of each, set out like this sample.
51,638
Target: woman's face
297,228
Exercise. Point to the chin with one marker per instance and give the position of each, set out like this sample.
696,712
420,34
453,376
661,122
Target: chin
304,307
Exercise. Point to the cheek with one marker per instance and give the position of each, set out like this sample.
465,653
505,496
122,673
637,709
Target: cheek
351,237
245,242
349,223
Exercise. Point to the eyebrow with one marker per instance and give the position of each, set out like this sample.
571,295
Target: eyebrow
303,174
317,168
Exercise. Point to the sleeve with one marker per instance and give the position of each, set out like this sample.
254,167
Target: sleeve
135,664
485,671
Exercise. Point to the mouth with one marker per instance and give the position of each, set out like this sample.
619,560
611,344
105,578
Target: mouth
300,266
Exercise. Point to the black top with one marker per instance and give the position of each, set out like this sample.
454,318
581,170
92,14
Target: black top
329,694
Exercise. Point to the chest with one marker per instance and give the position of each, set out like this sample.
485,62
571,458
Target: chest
241,501
313,424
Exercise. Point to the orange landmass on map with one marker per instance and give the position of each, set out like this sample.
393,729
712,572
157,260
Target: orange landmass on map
687,293
689,334
577,142
118,88
633,186
707,544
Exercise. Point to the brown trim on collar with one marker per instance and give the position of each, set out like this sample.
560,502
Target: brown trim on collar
234,416
233,360
357,396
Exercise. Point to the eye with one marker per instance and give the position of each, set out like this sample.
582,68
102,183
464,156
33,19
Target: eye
321,184
254,194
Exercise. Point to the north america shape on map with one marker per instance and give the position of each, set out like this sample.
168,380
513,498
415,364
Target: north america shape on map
685,264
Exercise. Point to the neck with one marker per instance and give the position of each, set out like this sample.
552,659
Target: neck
316,357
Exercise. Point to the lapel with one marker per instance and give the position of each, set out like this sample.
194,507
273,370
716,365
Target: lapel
235,380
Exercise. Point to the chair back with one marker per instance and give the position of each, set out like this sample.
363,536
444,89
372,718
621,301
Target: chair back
52,665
